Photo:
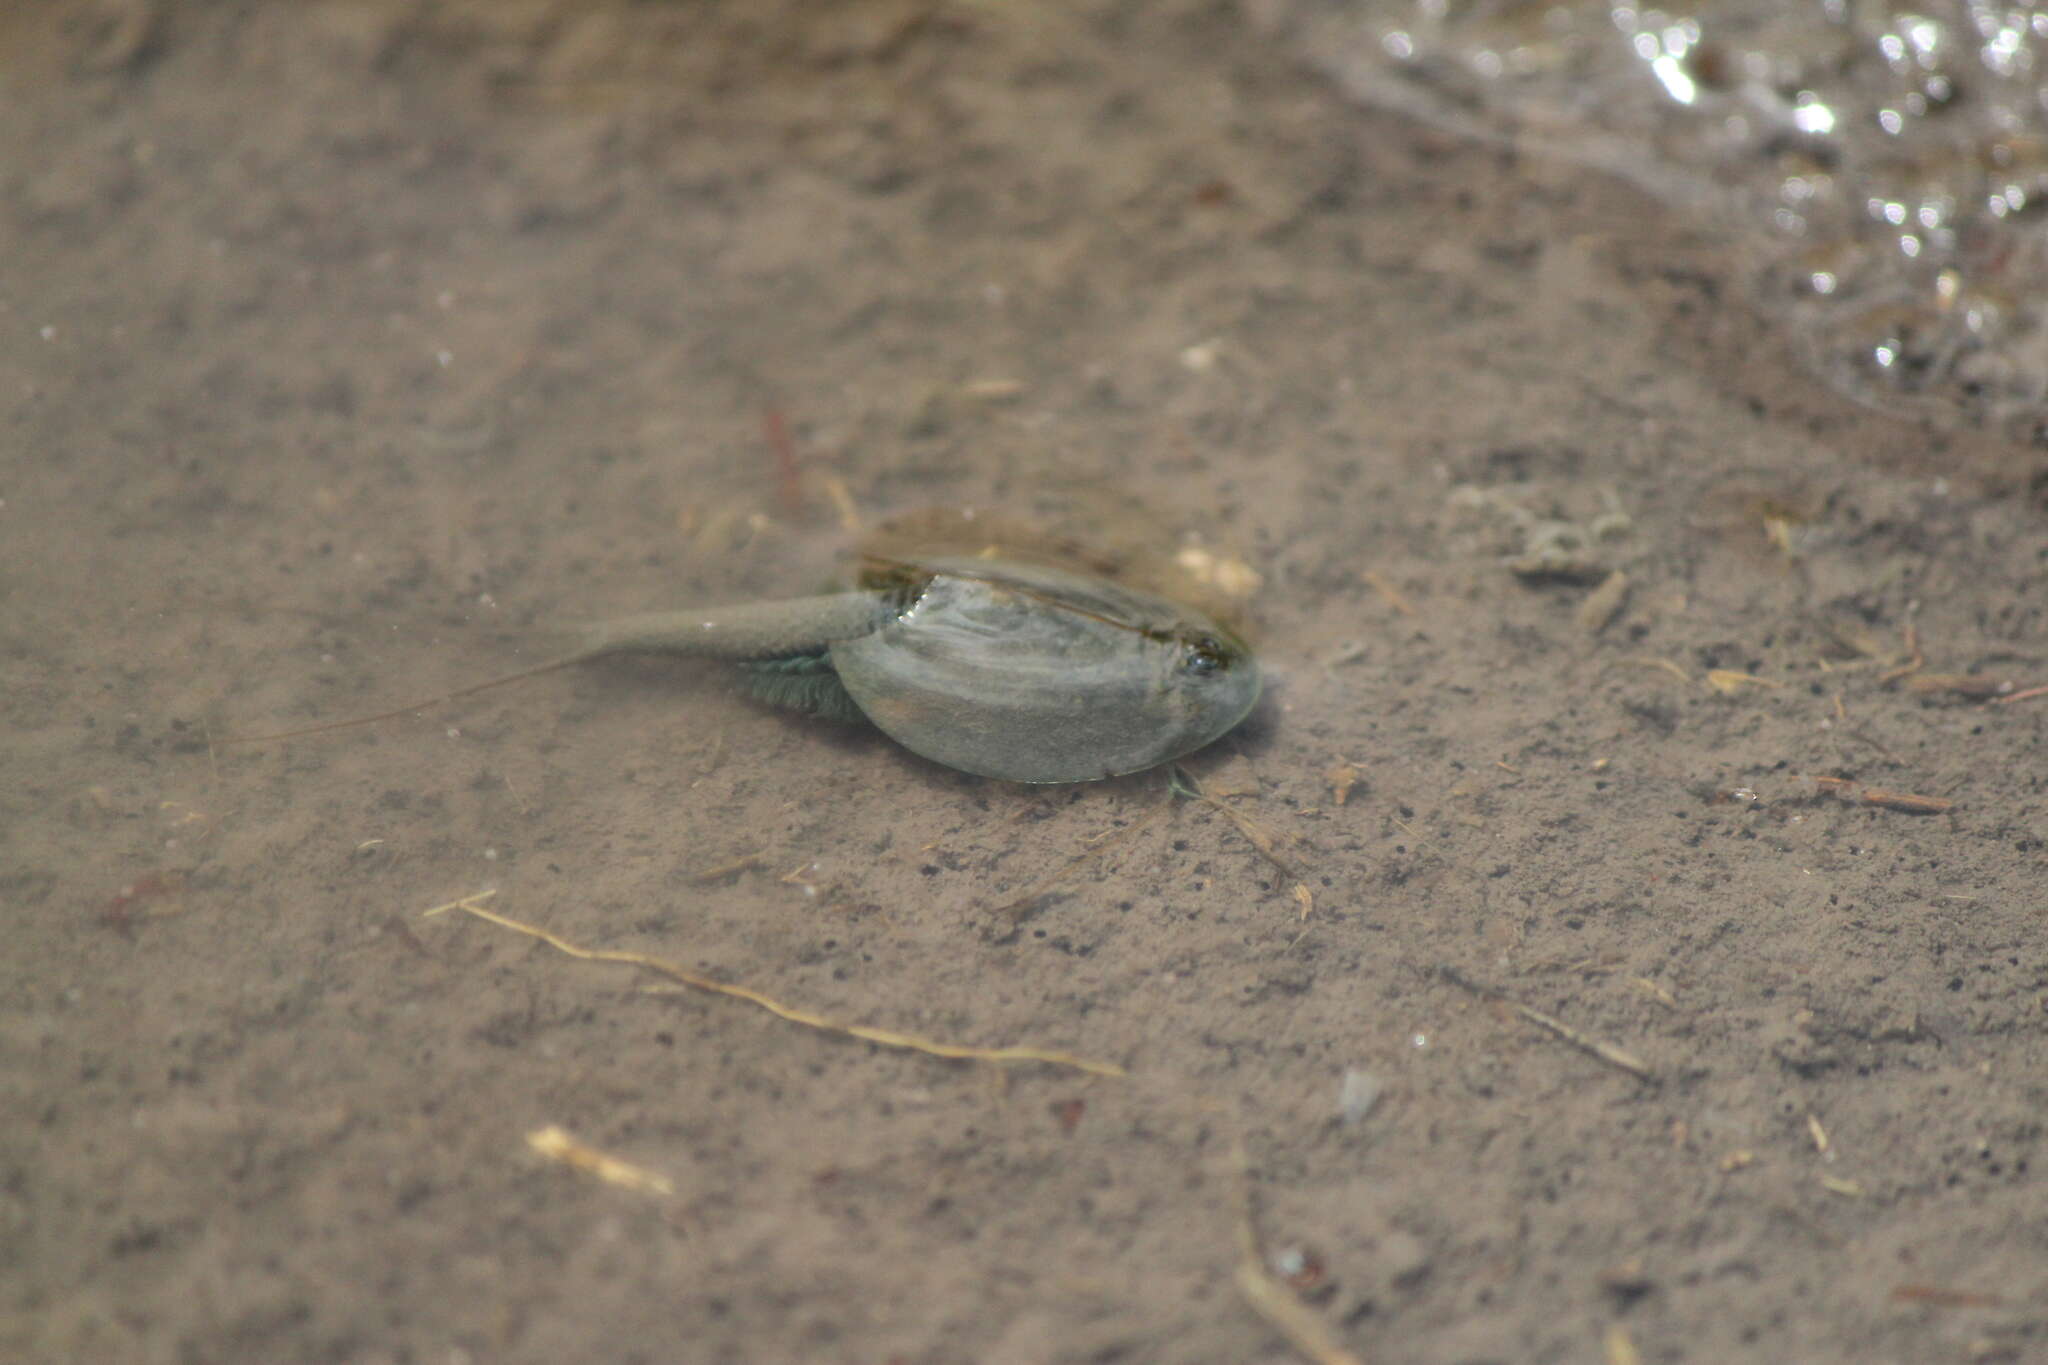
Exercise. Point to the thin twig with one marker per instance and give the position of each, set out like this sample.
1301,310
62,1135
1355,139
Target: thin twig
1392,595
1606,1052
1906,802
1184,783
881,1037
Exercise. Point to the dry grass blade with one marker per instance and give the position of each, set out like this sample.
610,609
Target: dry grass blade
1669,666
1304,1328
1585,1042
882,1037
1915,660
555,1143
1265,840
1728,681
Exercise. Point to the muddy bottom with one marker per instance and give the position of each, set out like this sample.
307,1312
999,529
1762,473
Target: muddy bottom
1616,935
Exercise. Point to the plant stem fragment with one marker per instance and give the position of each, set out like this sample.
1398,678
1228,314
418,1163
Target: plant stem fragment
882,1037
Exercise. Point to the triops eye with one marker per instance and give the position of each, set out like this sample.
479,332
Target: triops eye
1204,655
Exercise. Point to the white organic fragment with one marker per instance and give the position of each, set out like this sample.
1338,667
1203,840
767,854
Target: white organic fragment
1357,1096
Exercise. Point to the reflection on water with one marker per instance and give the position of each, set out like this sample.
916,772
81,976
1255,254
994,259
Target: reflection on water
1886,165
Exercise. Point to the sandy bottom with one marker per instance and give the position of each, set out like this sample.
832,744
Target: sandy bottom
347,347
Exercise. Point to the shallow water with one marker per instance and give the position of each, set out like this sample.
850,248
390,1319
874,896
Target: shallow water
1885,166
349,347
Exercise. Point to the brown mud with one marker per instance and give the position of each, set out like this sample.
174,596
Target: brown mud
348,346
